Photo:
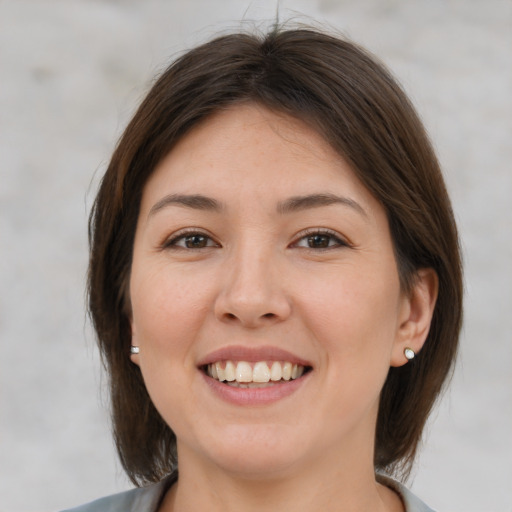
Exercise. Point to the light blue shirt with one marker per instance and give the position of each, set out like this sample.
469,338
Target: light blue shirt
148,499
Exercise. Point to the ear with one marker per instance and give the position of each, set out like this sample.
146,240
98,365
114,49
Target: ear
416,311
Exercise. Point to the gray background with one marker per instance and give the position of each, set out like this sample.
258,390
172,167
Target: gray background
72,73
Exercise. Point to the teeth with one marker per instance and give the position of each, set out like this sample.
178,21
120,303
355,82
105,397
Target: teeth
221,374
286,371
260,372
252,385
230,372
244,374
275,371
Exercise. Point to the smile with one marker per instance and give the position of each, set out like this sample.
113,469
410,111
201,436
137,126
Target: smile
244,374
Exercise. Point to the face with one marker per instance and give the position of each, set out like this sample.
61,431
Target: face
265,297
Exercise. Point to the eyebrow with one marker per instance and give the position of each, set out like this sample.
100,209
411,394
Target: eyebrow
290,205
194,201
298,203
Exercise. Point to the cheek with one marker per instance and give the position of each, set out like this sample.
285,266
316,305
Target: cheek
353,315
352,320
168,309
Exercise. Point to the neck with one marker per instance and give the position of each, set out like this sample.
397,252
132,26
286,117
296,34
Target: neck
351,488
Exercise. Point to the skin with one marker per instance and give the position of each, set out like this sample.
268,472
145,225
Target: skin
259,281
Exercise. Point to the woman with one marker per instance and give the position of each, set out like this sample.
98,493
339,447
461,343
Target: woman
275,282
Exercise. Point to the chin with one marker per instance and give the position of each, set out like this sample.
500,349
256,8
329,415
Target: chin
255,465
256,453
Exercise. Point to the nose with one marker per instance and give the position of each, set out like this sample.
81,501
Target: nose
252,293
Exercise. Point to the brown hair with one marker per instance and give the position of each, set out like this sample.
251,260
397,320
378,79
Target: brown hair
363,113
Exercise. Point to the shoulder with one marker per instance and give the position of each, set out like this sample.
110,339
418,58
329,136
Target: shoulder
411,502
143,499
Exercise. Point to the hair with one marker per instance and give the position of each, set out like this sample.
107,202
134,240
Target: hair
356,105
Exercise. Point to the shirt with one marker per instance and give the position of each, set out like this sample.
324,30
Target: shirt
148,499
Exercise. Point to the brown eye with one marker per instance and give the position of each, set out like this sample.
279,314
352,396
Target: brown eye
191,240
319,241
195,241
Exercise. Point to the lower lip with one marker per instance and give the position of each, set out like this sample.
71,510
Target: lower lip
254,396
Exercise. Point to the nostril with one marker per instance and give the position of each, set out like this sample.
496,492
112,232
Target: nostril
269,315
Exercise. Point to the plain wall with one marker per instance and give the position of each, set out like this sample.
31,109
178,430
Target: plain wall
72,72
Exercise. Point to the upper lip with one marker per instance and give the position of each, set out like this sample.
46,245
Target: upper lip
252,355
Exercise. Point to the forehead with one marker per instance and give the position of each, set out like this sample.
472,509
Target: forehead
248,150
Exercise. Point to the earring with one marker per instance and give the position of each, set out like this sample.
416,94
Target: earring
409,353
134,349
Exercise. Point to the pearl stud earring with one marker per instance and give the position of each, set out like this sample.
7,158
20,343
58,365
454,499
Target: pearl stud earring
409,353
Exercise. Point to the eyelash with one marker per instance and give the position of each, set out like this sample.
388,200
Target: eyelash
172,243
333,236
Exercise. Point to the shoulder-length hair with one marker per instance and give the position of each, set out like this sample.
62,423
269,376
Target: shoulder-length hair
355,104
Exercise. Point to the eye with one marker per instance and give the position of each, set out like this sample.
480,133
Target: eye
321,239
190,240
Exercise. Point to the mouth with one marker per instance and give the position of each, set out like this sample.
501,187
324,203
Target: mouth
254,374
